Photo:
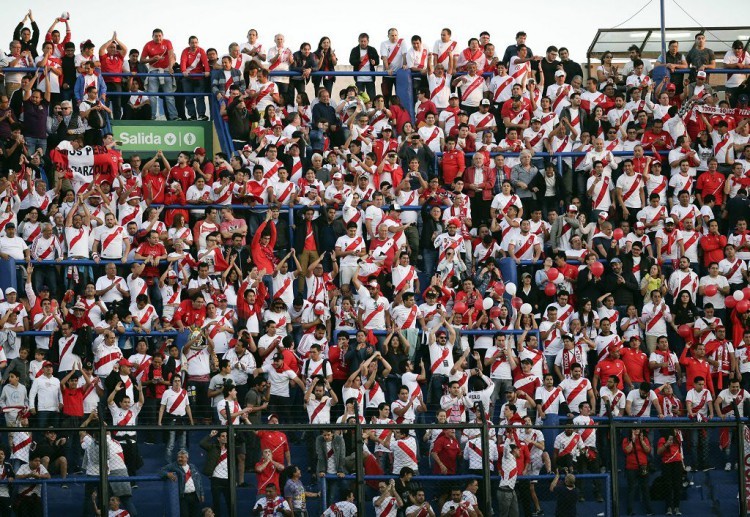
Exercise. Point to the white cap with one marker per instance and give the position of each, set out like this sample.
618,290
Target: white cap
453,96
560,73
701,73
485,102
572,208
668,220
10,290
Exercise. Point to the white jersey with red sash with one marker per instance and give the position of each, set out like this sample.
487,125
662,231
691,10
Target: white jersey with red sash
575,392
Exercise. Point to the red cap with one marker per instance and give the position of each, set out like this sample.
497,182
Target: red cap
46,363
199,150
124,362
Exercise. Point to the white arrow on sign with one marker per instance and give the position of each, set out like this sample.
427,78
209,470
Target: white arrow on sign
170,139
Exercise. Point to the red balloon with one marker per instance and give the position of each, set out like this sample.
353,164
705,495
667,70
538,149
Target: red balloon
617,233
460,308
499,288
516,302
746,292
597,269
479,304
495,312
710,290
730,302
550,289
553,273
685,331
743,306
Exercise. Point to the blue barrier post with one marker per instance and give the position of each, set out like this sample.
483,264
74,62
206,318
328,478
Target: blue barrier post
404,92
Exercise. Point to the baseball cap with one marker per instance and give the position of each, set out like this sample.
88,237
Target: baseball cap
701,74
199,150
640,225
247,148
603,216
485,102
615,261
46,364
572,208
441,333
10,290
387,127
396,207
668,220
614,347
124,362
126,167
172,273
535,119
338,176
79,306
453,96
373,283
278,357
273,415
221,297
560,73
671,86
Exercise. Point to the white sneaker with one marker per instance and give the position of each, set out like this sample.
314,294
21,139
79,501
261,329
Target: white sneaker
668,512
728,467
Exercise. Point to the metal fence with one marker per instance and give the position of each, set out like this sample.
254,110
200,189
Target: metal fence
616,477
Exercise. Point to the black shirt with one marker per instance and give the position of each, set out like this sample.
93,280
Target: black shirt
572,69
548,69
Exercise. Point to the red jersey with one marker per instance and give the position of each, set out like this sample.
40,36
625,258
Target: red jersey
453,164
185,176
448,450
636,364
154,187
194,62
161,50
338,365
607,367
423,109
146,249
189,315
276,441
711,184
695,368
112,63
269,475
713,248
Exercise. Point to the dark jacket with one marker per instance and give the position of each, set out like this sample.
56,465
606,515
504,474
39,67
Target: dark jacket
300,231
425,156
33,42
324,112
583,115
21,368
429,227
539,183
175,469
213,452
624,294
572,69
339,454
300,63
110,383
372,54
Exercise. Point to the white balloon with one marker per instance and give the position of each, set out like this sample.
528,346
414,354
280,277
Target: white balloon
510,288
487,303
739,295
526,308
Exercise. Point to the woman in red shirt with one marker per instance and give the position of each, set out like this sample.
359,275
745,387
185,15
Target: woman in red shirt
669,448
637,448
445,453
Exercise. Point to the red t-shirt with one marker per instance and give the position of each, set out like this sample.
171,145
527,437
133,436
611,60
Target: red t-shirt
636,364
276,441
710,183
112,64
153,185
184,175
508,111
448,450
339,367
188,315
72,401
162,49
147,250
631,462
609,367
310,238
269,475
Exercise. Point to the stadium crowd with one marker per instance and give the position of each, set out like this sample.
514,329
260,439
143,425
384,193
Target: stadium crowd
423,275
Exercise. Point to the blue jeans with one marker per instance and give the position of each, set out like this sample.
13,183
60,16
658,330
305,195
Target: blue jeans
36,143
195,86
164,85
429,262
180,437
